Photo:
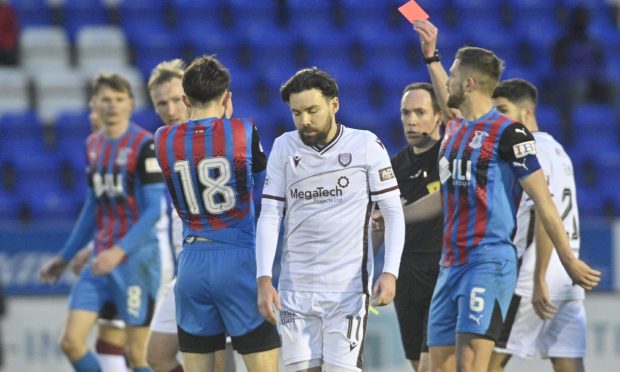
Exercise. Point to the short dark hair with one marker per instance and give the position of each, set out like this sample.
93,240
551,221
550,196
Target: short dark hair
205,80
427,87
113,81
309,78
484,62
517,90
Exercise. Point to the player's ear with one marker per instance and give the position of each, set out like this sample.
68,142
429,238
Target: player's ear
228,105
186,101
334,103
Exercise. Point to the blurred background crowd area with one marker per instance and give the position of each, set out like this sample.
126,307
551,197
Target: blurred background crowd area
51,49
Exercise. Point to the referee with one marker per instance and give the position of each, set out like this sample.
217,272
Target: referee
415,167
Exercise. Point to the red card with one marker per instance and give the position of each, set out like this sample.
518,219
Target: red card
412,11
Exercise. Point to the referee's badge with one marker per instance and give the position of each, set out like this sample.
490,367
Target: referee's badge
345,159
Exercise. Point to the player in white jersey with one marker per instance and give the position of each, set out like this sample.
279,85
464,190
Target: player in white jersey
327,177
547,316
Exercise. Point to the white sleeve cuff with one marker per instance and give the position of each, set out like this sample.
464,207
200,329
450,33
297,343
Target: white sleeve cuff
392,212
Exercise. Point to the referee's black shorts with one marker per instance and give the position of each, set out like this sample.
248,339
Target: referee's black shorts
414,290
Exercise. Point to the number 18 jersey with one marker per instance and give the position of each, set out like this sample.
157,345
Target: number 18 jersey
208,166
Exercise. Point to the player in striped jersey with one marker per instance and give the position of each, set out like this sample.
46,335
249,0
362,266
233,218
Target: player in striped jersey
211,165
547,316
485,161
122,206
327,177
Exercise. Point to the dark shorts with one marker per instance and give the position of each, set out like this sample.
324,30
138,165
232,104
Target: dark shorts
414,290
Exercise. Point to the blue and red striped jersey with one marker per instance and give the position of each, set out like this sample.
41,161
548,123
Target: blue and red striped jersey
118,169
480,163
208,166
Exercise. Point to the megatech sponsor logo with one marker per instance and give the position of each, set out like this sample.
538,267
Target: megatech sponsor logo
322,194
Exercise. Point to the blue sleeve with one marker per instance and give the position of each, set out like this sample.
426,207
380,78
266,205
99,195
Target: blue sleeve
148,217
83,230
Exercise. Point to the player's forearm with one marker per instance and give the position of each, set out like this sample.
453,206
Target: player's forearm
555,230
439,78
392,212
424,208
544,248
267,232
153,193
83,230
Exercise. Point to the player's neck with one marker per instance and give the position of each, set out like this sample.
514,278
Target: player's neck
113,131
207,112
476,107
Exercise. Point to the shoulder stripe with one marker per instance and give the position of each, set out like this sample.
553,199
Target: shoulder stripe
384,190
273,197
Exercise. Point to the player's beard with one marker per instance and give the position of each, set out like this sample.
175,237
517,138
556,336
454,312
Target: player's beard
456,99
317,137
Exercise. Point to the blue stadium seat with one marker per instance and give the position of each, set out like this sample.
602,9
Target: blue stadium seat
153,48
33,12
595,120
539,29
550,121
79,13
198,11
145,10
210,38
253,12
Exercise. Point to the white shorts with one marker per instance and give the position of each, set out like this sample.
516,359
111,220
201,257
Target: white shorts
165,319
328,327
563,336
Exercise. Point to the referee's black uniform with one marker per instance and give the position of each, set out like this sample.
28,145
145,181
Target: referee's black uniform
417,176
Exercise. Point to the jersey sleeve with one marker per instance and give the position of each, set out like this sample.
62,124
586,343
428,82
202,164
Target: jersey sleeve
381,179
147,166
274,189
259,159
518,148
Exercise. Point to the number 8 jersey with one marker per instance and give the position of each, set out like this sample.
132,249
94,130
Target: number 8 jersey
208,166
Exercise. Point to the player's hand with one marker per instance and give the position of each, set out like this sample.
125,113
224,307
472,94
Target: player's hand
52,270
267,297
582,274
107,260
541,302
384,290
80,259
377,221
428,37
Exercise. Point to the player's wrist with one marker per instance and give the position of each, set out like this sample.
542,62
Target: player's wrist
432,57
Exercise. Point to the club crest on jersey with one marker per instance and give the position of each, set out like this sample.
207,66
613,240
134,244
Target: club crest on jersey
123,156
345,159
524,148
386,174
476,142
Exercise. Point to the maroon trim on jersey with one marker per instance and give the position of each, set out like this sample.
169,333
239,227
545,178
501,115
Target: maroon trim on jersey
331,143
482,193
273,197
449,225
384,190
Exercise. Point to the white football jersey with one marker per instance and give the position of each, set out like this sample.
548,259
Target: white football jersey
558,170
328,195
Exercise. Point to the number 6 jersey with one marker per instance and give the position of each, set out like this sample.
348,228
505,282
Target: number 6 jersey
208,166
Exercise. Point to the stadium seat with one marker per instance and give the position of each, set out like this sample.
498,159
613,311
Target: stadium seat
539,29
102,47
145,10
80,13
550,121
44,48
33,13
198,11
152,48
58,90
14,92
595,120
147,119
